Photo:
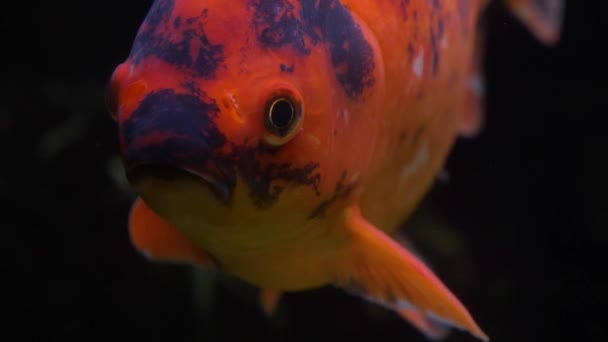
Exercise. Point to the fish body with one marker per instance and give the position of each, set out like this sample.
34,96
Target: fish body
285,141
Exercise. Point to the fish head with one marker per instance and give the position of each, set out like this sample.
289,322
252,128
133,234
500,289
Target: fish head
246,113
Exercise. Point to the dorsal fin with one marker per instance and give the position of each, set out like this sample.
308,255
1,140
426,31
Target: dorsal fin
543,17
471,118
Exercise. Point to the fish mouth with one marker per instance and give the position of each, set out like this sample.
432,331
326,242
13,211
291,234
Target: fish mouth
215,178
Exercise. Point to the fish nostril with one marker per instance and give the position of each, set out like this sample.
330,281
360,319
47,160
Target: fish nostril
231,105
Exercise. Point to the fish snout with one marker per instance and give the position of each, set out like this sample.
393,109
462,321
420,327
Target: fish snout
174,136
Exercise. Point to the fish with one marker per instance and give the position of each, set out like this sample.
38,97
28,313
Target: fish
286,141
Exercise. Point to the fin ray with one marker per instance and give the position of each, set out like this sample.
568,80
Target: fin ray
432,329
384,272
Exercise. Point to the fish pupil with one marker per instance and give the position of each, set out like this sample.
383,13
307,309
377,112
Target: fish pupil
281,114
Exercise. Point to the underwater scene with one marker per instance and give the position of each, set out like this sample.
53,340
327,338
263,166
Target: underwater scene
300,170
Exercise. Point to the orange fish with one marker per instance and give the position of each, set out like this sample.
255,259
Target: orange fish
285,141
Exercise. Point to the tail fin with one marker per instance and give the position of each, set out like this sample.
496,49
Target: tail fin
543,17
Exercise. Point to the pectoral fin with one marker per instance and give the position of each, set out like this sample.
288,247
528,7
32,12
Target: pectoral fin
159,240
381,270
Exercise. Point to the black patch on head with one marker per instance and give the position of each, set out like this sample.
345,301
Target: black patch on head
278,25
174,41
209,58
351,54
288,69
181,131
261,178
177,22
341,191
188,121
192,88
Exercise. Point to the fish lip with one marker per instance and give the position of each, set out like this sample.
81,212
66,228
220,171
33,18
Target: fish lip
220,183
220,187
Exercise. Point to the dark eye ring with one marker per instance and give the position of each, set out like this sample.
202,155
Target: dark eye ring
283,117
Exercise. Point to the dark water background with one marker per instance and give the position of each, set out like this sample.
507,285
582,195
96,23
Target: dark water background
518,232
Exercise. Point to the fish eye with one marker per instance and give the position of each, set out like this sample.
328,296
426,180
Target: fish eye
283,117
281,114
